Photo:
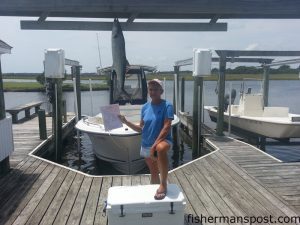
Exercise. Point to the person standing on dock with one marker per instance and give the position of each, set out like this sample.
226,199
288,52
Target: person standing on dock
155,126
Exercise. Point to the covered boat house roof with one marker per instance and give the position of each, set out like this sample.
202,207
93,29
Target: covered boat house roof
131,10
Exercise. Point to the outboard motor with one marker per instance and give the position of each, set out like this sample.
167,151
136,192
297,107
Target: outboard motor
226,98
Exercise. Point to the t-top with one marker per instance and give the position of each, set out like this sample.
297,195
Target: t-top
154,116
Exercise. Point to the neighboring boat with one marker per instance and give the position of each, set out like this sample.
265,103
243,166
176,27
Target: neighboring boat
250,115
120,147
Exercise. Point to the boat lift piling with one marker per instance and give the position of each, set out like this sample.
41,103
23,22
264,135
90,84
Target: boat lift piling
75,70
55,62
221,94
175,104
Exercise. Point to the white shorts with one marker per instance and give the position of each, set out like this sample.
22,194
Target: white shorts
145,151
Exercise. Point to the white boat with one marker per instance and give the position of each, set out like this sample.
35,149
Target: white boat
120,147
250,115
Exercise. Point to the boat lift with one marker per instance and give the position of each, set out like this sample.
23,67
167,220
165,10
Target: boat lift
225,56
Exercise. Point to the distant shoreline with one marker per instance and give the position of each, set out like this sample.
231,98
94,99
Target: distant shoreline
37,87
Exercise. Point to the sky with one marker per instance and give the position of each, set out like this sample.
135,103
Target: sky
159,49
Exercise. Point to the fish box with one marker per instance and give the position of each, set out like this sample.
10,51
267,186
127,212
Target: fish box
135,205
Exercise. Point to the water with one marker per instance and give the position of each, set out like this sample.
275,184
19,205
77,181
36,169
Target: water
281,93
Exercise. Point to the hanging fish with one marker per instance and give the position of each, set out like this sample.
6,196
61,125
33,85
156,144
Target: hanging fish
119,55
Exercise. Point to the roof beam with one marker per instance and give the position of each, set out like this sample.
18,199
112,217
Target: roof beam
187,62
70,62
238,53
107,26
172,9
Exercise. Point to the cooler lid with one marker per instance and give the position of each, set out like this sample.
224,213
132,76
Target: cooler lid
143,196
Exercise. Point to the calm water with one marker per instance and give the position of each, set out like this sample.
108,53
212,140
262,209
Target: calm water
281,93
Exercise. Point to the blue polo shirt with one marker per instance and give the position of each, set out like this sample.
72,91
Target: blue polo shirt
154,116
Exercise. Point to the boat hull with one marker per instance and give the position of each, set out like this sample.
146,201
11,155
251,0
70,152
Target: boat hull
121,146
272,129
123,152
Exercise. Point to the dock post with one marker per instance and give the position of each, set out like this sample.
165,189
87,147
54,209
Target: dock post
4,164
182,92
64,110
221,94
266,85
57,119
42,124
197,101
266,78
175,105
77,74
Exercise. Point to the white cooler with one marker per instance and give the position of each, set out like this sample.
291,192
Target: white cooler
130,205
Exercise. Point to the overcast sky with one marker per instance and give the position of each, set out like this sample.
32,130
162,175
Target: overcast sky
159,49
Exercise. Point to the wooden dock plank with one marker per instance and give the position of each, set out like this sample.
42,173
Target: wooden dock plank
145,179
43,205
92,202
275,200
215,197
189,208
68,203
263,204
5,179
233,190
20,199
194,200
117,181
202,195
79,205
135,180
126,180
232,204
18,182
58,200
34,201
100,217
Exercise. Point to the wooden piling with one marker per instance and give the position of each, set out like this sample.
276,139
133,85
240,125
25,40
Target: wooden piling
266,85
57,119
182,91
64,110
42,124
221,94
175,105
266,100
197,115
77,74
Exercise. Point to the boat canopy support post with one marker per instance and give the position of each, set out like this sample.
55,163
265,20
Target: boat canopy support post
221,94
175,104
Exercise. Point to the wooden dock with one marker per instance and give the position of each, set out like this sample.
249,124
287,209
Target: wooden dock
234,180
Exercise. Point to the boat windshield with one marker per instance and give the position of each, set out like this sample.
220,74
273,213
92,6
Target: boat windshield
251,86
